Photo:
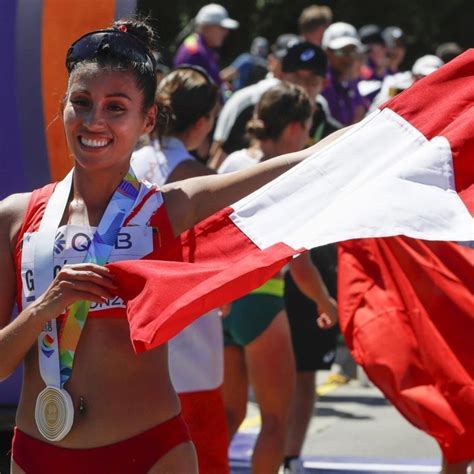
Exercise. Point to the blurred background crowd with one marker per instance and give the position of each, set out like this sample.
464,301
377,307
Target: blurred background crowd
366,52
241,83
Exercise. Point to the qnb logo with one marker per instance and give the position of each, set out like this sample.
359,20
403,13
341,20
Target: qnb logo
47,345
307,55
59,243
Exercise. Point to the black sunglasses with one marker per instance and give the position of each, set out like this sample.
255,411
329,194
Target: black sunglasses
115,43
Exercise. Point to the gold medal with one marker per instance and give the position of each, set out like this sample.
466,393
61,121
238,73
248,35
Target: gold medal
54,413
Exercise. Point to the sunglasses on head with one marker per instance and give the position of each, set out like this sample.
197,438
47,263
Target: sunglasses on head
114,43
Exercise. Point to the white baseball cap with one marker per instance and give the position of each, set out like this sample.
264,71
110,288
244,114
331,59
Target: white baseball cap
426,65
214,14
339,35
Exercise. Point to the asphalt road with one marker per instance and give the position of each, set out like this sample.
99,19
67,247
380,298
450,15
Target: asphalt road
354,428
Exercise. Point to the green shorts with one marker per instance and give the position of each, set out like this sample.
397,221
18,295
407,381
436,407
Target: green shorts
253,313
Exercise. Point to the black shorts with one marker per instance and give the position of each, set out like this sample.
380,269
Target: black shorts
315,348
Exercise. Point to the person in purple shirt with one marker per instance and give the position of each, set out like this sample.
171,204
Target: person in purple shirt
343,49
199,49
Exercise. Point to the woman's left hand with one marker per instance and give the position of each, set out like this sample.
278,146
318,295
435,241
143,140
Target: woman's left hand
328,313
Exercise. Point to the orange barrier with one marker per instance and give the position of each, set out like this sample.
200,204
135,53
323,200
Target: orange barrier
62,23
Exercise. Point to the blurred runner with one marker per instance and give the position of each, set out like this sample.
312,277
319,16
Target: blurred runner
188,101
258,347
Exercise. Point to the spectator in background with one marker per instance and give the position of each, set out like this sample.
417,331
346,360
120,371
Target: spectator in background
396,47
425,65
229,134
248,68
448,51
313,21
199,49
396,83
375,67
161,69
343,48
304,64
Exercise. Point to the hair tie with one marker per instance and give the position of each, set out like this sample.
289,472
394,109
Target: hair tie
122,28
256,122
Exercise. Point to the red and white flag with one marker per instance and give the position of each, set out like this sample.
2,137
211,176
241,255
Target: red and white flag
406,308
407,169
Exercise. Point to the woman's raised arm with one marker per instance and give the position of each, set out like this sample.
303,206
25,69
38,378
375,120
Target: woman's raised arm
190,201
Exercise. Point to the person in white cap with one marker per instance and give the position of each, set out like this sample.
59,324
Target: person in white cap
425,65
343,48
199,49
396,83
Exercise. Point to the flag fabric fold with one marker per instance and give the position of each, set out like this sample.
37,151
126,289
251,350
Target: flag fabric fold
407,169
406,311
191,275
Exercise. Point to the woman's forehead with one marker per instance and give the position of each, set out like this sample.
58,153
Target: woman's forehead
93,77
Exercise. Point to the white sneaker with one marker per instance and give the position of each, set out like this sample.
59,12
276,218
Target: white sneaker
296,467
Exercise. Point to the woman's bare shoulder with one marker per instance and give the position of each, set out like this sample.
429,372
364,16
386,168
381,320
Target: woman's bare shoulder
12,211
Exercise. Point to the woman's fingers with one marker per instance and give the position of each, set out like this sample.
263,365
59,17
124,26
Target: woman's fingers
88,273
324,321
84,295
73,286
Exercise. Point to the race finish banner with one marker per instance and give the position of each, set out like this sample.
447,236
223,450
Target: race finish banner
34,38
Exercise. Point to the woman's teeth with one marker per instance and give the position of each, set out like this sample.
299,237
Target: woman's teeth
93,143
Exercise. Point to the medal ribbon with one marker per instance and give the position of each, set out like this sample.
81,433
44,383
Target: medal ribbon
99,251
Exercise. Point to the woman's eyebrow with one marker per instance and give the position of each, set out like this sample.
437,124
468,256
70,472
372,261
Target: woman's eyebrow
119,94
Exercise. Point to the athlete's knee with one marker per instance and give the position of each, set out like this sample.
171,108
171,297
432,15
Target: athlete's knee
275,424
235,416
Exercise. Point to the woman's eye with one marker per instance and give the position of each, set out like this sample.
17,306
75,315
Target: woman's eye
80,102
116,108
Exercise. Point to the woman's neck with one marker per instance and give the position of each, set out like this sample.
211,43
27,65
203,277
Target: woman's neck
188,139
92,192
272,148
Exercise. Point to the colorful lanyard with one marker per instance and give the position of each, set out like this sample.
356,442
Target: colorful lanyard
54,354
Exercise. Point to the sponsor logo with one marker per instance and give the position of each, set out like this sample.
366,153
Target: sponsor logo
47,345
329,357
59,243
307,55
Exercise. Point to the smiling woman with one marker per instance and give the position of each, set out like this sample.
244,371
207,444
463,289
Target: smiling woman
89,403
103,116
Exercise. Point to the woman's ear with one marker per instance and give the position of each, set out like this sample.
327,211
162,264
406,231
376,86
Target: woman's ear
150,119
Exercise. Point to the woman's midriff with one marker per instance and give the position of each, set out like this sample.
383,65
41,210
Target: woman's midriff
123,393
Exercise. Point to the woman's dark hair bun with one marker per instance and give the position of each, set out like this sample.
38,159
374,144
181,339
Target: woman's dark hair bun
139,28
256,128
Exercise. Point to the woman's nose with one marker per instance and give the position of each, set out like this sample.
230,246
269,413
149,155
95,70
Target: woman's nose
94,119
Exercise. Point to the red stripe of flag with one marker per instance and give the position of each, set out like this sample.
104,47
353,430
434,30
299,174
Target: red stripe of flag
212,263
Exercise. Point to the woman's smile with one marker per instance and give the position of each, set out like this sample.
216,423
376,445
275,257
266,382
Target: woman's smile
91,144
103,116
